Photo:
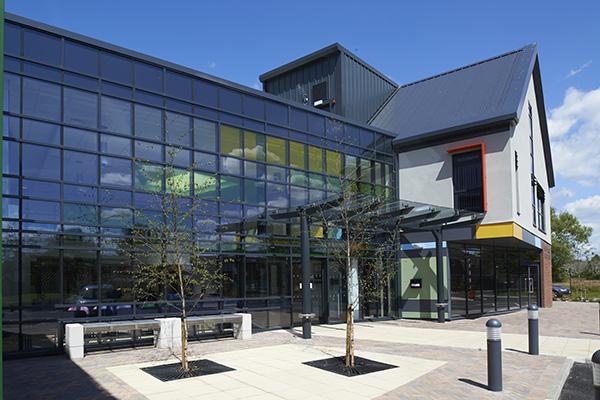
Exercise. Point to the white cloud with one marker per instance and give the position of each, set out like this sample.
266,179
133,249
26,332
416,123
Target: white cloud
562,193
575,71
575,136
212,65
587,210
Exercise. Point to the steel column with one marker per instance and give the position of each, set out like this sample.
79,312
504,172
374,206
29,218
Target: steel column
306,290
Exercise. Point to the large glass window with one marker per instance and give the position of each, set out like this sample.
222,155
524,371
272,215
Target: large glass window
80,277
178,181
115,216
148,122
334,163
12,39
205,161
231,188
115,171
178,85
115,145
148,177
41,162
148,77
256,277
41,210
40,189
205,135
315,159
41,47
115,115
254,192
178,129
298,196
205,185
297,155
231,142
116,68
254,146
79,214
80,167
41,132
80,139
205,93
230,165
276,150
80,58
41,99
12,93
41,279
148,151
80,108
277,195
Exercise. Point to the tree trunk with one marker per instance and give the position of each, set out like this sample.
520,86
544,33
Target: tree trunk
184,338
349,361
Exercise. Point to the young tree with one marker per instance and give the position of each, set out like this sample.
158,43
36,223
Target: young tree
352,237
570,241
169,262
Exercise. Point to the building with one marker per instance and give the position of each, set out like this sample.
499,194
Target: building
86,123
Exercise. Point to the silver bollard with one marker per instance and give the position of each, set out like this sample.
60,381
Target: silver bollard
533,316
596,374
494,355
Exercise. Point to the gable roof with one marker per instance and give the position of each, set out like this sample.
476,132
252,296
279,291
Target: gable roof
488,94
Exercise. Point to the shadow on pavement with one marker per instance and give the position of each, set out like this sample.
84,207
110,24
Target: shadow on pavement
517,351
474,383
49,377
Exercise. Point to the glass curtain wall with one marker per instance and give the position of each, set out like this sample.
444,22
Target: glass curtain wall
487,279
87,135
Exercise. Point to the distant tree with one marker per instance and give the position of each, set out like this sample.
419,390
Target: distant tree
570,242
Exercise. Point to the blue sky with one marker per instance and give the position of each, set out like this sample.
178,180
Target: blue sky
238,40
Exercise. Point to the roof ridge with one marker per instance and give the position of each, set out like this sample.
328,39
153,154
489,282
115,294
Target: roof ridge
466,66
383,105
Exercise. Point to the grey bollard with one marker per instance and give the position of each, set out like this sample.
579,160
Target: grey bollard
533,316
494,355
596,374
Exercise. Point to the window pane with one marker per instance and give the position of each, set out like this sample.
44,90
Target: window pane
315,159
41,162
230,100
230,165
256,278
298,119
178,129
297,155
316,124
80,139
80,81
254,170
41,99
277,113
177,156
298,178
148,122
178,85
365,170
115,115
207,162
148,77
205,185
80,108
113,216
254,107
80,58
41,189
316,181
276,174
205,135
277,195
80,277
115,171
230,188
80,193
350,168
80,167
115,145
41,210
41,286
334,163
254,192
205,93
12,39
114,197
298,196
12,93
41,132
116,68
148,177
79,214
231,141
147,151
178,181
41,47
254,146
276,150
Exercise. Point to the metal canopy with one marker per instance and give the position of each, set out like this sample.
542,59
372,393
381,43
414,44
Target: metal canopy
403,214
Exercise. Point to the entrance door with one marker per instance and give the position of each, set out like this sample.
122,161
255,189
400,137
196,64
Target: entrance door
531,283
317,289
336,295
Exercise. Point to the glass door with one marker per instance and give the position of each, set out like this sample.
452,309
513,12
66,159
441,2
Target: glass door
336,295
316,281
473,268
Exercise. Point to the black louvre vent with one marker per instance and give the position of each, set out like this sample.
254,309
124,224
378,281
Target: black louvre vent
468,181
319,92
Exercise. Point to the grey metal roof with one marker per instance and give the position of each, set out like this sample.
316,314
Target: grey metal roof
325,51
488,94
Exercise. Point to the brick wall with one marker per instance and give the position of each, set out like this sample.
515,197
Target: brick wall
546,275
